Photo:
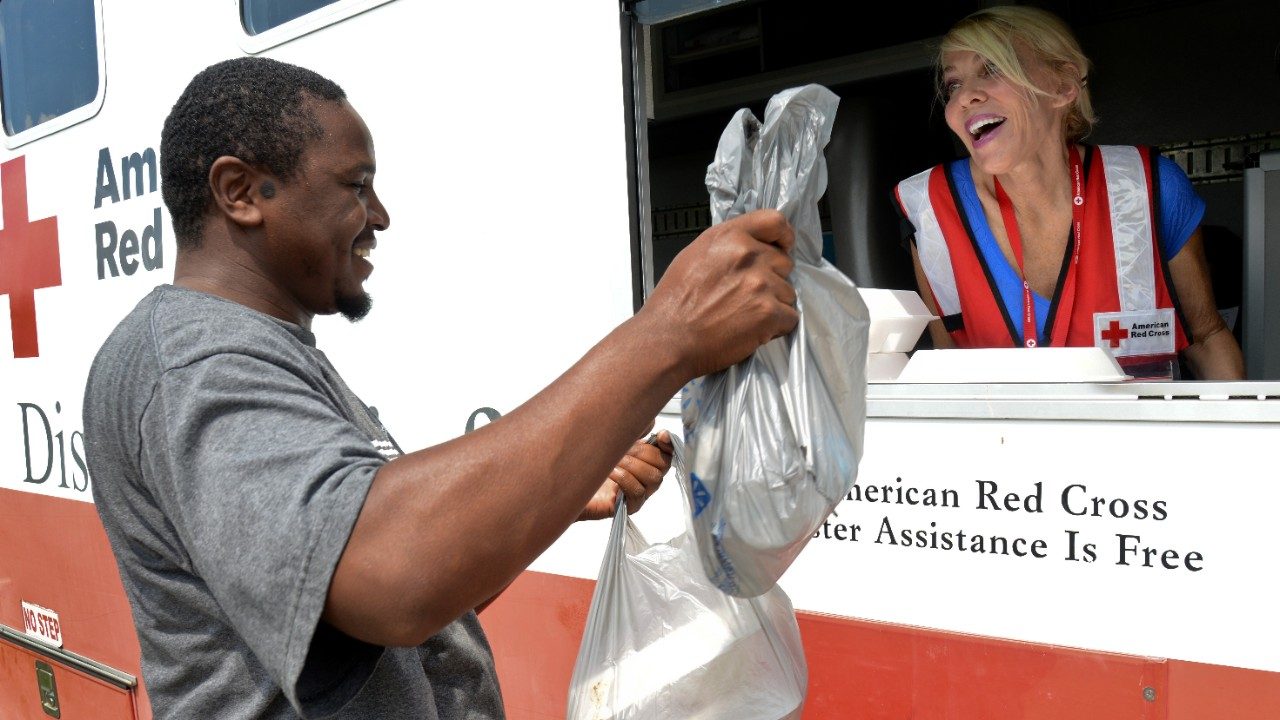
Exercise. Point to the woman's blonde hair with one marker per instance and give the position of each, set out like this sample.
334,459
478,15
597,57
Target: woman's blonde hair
998,33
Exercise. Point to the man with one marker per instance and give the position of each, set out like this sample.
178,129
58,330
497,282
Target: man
281,557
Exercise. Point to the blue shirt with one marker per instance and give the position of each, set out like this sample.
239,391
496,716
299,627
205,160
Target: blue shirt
1180,212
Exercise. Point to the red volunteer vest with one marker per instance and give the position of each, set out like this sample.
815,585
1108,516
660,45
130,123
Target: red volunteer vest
1122,299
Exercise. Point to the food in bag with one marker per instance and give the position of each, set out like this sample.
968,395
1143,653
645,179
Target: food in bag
661,642
775,440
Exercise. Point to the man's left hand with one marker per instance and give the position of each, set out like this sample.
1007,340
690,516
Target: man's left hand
637,475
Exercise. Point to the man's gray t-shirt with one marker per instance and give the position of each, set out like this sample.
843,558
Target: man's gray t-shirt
229,463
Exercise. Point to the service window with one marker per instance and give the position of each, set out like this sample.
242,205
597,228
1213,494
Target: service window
700,61
268,23
51,66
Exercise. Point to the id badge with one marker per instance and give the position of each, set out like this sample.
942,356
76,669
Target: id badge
1130,334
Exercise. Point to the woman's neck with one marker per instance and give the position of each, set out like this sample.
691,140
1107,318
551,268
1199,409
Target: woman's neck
1037,185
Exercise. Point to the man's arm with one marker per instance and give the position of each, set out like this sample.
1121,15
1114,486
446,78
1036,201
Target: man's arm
446,528
636,477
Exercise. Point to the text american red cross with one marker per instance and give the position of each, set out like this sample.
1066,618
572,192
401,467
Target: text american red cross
1114,334
28,258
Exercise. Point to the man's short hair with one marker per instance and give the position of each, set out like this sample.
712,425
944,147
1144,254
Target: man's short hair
252,108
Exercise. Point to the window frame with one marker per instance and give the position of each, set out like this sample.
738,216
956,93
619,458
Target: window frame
76,115
302,25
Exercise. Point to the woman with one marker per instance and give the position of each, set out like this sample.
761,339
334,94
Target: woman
1036,239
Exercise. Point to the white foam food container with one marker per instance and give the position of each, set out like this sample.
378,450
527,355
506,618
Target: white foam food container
885,367
898,317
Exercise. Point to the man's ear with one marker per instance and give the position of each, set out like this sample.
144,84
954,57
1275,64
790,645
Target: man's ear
237,190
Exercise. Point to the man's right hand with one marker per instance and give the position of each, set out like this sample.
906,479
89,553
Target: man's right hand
727,293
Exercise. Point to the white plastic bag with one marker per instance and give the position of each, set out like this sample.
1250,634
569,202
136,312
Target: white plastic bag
774,441
663,643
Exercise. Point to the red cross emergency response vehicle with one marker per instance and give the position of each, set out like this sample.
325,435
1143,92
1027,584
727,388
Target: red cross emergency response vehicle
1062,545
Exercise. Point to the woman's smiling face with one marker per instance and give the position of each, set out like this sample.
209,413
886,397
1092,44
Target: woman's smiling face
999,122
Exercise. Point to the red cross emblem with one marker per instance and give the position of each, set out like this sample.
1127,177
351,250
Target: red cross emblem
28,257
1114,334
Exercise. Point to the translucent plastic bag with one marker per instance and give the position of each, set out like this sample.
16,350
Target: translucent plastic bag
774,441
663,643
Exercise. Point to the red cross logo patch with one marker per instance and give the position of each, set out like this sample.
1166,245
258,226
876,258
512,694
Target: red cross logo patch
28,257
1114,334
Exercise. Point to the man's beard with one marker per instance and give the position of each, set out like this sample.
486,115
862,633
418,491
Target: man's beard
355,307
